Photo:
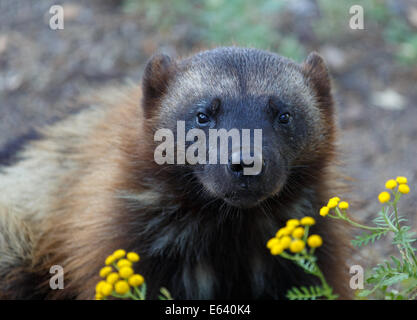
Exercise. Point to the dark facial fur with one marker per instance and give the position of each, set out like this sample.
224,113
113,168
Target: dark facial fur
250,89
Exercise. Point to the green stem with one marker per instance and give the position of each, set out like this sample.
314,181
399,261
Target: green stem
317,272
397,197
327,288
345,218
139,293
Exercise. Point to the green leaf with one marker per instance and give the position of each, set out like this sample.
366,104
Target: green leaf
365,238
364,293
304,293
394,279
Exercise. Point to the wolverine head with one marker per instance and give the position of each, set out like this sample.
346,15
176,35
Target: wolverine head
241,124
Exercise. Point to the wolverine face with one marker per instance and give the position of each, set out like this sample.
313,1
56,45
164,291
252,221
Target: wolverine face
241,121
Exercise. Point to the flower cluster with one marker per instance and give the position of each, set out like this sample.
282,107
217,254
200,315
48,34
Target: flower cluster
397,186
119,278
294,237
333,203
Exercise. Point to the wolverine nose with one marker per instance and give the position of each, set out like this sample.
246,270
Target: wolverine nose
240,164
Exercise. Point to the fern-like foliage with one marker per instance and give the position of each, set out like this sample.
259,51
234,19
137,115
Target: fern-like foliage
403,236
366,238
307,265
306,293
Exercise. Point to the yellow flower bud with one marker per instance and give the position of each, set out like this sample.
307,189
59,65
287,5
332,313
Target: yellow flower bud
314,241
285,242
136,280
390,184
298,232
332,203
293,223
110,259
119,253
284,231
403,188
106,289
133,256
343,205
121,287
105,271
297,246
280,233
402,180
289,229
324,211
125,272
271,242
384,197
308,221
99,296
337,199
112,277
124,263
99,286
277,249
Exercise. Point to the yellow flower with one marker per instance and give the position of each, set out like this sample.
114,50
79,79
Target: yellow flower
308,221
324,211
332,203
119,253
404,188
277,249
110,259
390,184
297,246
133,256
402,180
298,232
99,286
124,263
314,241
99,296
136,280
125,272
112,277
271,242
337,199
285,241
105,271
384,197
121,287
106,289
343,205
280,233
284,231
289,229
293,223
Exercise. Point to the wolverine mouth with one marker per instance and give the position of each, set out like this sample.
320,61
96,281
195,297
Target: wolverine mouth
243,199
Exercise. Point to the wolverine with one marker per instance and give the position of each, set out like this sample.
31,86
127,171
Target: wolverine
89,184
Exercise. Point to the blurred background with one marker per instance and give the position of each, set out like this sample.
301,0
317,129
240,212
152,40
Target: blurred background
107,42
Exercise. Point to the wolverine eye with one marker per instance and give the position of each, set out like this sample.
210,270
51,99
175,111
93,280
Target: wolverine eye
284,118
202,118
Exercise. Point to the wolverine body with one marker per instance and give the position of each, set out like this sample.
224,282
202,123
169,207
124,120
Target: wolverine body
90,184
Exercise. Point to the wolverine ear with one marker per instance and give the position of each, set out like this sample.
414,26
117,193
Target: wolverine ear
315,71
158,72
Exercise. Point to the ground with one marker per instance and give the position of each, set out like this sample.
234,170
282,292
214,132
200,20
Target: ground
42,71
